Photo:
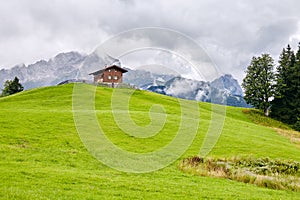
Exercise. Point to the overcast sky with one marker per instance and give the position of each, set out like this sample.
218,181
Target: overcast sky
231,32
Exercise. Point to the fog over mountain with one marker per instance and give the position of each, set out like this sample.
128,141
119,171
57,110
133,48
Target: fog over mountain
226,92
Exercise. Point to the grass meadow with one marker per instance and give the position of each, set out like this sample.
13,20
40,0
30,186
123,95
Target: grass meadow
42,156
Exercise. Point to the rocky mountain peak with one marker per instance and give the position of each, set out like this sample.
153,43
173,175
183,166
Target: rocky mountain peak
68,58
229,84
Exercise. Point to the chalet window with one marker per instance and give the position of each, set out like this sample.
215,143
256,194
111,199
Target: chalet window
116,70
109,70
116,77
108,77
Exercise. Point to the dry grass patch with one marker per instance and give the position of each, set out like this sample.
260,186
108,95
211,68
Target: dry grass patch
293,135
263,172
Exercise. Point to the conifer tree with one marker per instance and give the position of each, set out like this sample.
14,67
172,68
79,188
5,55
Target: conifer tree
285,106
296,90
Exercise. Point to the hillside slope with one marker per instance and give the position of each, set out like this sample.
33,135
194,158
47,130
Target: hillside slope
42,156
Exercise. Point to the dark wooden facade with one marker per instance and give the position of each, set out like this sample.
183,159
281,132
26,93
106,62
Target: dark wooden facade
111,74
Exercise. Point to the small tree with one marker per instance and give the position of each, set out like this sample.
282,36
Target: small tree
259,82
12,87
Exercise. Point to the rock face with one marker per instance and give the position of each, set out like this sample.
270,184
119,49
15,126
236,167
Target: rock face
229,84
42,73
64,66
76,66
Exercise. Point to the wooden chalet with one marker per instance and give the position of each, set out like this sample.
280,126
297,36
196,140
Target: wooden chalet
110,74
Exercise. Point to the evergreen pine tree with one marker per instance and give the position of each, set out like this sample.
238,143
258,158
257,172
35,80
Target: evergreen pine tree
296,90
285,106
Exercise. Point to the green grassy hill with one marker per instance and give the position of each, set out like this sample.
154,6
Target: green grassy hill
42,156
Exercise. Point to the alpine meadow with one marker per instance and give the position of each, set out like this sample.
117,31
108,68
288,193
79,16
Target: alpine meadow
43,157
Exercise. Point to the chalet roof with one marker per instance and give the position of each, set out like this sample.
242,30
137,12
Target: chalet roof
107,68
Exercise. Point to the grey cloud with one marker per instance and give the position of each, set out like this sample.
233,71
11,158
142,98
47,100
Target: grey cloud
270,35
230,31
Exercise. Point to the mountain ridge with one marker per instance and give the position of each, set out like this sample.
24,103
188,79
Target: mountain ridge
74,65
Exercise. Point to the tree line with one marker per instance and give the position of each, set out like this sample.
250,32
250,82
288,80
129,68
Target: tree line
275,89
